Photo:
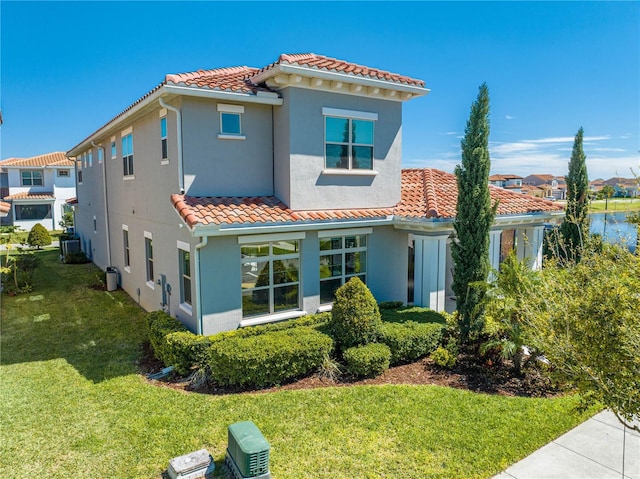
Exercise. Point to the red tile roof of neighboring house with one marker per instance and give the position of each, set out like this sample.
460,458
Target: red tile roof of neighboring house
45,195
71,201
4,208
320,62
57,158
504,177
531,188
426,193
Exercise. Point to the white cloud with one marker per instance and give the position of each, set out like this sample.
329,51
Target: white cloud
509,117
608,149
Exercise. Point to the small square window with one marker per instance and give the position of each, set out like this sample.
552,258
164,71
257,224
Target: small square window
64,173
230,123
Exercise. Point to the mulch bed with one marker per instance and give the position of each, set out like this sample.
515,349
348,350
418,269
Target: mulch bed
467,374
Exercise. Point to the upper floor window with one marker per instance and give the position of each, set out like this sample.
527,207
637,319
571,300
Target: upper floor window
63,173
230,122
79,176
90,158
31,178
127,154
348,139
100,155
114,153
163,137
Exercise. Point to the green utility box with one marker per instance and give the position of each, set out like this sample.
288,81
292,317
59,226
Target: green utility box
248,449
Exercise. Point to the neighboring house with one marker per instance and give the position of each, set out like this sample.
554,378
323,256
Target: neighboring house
554,186
38,188
536,191
240,196
511,182
624,187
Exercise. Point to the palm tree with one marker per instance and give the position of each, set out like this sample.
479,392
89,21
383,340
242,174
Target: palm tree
607,191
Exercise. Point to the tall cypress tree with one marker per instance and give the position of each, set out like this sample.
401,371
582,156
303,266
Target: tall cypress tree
575,227
474,215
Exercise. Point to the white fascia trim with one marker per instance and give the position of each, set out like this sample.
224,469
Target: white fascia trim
26,201
343,77
271,237
272,318
354,114
345,232
215,230
223,95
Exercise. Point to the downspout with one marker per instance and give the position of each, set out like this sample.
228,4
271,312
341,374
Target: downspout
179,142
104,198
199,246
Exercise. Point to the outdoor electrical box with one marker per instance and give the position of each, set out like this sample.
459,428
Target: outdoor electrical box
247,452
195,465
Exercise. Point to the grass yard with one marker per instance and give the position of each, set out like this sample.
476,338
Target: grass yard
615,204
73,405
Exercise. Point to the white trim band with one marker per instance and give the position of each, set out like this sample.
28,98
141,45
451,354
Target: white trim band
296,235
357,115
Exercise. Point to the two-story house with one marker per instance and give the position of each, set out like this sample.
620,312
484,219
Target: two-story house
554,186
239,196
38,188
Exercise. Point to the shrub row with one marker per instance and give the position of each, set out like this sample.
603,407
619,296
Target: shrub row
410,341
268,359
173,343
368,360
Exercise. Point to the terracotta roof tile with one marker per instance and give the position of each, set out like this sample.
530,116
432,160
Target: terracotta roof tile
320,62
426,193
236,79
72,201
45,195
57,158
4,208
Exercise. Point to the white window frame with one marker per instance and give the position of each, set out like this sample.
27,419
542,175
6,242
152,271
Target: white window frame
343,251
349,115
126,248
269,240
148,260
182,249
31,172
128,167
226,109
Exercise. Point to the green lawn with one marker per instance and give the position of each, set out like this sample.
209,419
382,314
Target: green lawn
73,405
615,204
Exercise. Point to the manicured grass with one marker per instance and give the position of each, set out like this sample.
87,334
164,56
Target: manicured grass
615,204
72,405
20,237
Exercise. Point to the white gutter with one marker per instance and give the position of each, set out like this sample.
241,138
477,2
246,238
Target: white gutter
263,98
199,246
179,140
104,198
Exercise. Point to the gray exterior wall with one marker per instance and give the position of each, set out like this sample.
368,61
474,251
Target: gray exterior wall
299,159
387,257
224,167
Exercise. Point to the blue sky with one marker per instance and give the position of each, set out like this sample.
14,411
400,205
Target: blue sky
551,67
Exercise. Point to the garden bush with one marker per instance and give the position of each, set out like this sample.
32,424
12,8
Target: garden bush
410,341
77,257
173,343
443,357
390,305
39,236
355,317
267,359
368,360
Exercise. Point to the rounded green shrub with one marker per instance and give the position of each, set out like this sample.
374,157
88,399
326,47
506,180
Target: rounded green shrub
38,236
443,357
410,341
267,359
368,360
355,317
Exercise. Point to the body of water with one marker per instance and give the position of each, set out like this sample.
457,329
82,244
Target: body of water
614,228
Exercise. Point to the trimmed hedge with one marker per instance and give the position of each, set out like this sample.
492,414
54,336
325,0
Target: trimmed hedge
369,360
173,343
410,341
267,359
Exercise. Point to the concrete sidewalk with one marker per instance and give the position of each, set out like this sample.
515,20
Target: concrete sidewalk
592,450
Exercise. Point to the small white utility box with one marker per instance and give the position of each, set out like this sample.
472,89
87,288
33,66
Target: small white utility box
191,466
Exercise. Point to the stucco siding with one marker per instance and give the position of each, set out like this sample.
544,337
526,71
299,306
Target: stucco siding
388,264
226,167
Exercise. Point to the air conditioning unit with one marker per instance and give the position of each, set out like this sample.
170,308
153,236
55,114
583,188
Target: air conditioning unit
70,246
247,452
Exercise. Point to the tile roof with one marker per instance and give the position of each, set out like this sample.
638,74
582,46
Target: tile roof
320,62
259,211
57,158
4,208
72,201
498,177
237,79
45,195
426,193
